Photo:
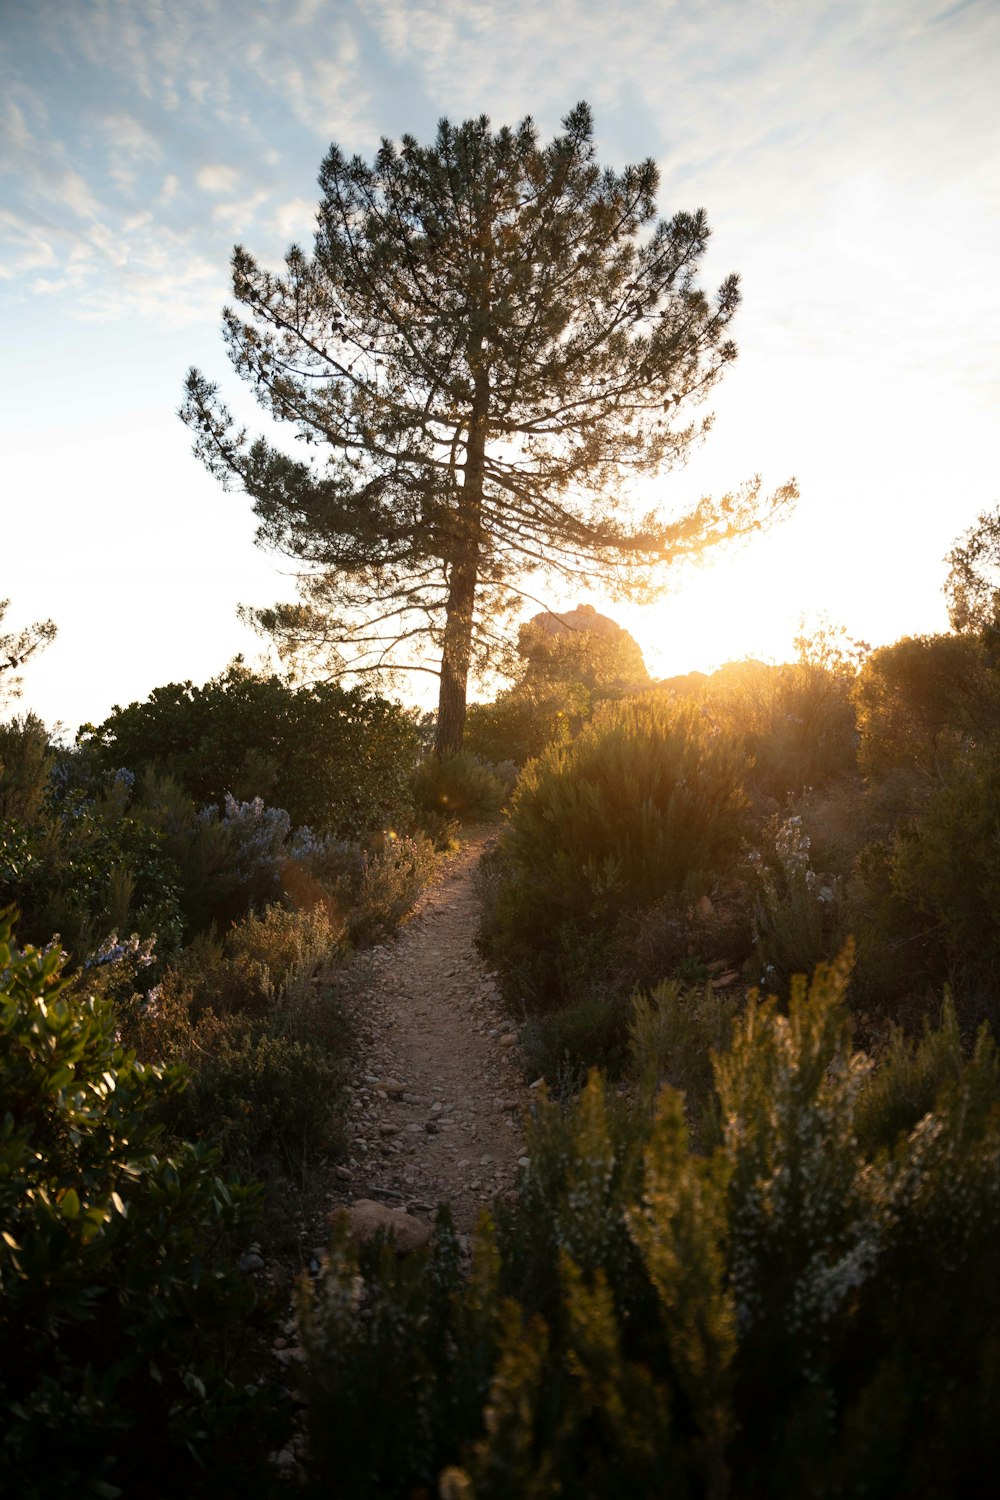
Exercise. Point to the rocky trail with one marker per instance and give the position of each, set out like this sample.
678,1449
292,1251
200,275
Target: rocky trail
435,1117
435,1112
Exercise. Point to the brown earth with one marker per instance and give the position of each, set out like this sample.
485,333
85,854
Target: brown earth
435,1116
435,1113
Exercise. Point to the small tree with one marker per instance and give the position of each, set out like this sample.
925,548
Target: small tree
489,338
16,649
972,587
582,646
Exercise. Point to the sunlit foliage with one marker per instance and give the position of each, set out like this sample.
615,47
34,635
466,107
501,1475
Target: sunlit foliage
749,1319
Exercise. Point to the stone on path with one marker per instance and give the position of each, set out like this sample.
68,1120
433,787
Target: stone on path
366,1217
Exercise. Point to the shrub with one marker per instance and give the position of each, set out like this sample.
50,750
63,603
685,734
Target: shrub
87,866
110,1291
389,882
367,890
263,964
922,898
645,803
338,760
461,786
922,702
948,865
25,762
798,911
266,1100
751,1318
796,722
673,1034
264,1042
589,1032
525,720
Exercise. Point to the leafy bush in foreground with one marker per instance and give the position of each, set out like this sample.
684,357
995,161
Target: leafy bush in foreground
645,804
808,1306
111,1296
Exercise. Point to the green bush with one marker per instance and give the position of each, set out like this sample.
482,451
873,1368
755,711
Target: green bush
113,1301
264,1041
590,1032
645,804
269,1102
25,762
461,786
86,866
922,900
947,866
922,702
336,759
525,720
748,1319
673,1034
796,722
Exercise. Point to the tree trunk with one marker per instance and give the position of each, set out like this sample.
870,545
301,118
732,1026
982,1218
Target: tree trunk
456,654
456,657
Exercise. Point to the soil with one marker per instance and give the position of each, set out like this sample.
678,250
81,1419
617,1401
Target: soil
436,1114
435,1111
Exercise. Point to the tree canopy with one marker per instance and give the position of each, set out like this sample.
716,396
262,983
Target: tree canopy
16,648
489,340
972,587
581,646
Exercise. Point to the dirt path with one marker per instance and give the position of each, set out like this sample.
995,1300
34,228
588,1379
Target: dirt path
436,1115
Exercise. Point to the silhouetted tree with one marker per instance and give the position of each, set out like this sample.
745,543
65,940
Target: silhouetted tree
972,587
17,648
488,339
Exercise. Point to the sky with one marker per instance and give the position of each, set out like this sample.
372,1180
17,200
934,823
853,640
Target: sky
847,154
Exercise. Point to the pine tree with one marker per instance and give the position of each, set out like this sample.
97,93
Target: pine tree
16,649
490,337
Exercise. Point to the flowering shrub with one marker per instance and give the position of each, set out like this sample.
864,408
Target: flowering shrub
338,759
748,1319
798,912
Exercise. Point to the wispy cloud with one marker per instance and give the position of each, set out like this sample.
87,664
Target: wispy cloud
27,247
294,219
218,179
236,217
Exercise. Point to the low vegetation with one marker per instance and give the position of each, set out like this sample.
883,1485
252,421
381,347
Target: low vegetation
174,983
118,1312
731,1205
729,1312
